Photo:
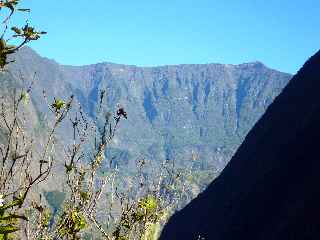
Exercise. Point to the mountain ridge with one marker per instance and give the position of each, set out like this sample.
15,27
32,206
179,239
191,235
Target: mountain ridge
250,63
172,110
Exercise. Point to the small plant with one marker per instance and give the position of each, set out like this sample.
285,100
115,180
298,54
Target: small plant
23,34
100,200
71,222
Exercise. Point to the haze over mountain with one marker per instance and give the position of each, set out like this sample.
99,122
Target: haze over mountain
173,111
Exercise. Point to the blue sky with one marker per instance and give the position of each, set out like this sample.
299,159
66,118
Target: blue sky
280,33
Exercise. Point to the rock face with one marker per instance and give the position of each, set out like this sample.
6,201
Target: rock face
269,190
173,110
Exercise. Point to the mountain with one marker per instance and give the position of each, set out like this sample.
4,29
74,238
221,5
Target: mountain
269,190
173,111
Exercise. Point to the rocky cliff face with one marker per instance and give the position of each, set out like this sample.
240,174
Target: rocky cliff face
172,110
269,190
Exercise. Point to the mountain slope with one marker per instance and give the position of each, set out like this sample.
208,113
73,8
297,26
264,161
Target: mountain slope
269,190
173,110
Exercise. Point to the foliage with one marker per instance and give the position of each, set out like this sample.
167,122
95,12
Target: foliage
25,34
18,153
71,223
100,198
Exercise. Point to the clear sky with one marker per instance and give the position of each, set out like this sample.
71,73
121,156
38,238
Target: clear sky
280,33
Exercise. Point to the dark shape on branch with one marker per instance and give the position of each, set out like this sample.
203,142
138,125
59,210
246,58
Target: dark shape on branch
122,113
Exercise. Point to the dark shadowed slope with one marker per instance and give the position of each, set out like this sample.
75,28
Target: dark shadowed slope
271,187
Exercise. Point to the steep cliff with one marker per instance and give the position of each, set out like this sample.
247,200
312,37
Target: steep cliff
173,110
269,190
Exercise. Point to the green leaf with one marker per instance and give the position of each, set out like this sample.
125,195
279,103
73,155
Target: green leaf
14,216
25,97
17,202
149,203
16,30
58,104
24,9
84,195
8,229
3,44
